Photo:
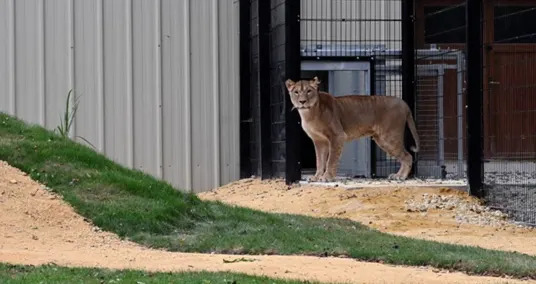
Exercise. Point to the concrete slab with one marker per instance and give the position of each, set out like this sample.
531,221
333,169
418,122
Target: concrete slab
357,183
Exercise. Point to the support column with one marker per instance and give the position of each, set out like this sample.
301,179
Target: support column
293,70
474,38
408,67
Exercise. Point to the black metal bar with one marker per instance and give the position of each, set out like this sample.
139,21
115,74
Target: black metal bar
245,114
408,66
292,70
373,146
474,39
264,14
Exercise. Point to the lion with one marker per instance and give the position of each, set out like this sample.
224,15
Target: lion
331,121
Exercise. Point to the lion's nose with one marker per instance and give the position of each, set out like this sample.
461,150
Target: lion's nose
302,102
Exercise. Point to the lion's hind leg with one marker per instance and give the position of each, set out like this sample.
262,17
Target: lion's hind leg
406,161
395,148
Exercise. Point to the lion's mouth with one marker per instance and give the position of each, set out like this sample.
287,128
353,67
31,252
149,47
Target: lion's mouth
302,107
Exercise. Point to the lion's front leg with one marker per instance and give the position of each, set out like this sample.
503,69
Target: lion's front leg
321,152
334,155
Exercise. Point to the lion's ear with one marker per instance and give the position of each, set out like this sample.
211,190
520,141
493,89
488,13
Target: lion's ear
315,82
290,85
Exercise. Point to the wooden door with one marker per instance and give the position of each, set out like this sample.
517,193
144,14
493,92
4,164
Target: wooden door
510,80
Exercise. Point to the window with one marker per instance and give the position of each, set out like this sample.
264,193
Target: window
515,24
444,24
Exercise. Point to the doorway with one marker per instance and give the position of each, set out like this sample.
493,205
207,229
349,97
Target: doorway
340,78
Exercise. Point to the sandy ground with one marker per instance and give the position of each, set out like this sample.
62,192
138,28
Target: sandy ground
37,227
386,210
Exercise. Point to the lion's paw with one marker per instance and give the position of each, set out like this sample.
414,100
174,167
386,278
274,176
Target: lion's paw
327,178
313,178
396,177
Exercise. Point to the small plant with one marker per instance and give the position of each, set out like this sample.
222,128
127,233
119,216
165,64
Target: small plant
68,117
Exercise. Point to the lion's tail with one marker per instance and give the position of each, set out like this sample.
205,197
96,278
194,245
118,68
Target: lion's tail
413,129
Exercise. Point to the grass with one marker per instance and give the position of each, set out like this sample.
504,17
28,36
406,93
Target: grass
15,274
138,207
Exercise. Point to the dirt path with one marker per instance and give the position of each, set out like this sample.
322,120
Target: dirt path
37,227
458,220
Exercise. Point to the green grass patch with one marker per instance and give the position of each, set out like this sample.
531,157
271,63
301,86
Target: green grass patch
151,212
18,274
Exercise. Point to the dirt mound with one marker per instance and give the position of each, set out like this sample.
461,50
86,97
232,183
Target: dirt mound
37,227
440,214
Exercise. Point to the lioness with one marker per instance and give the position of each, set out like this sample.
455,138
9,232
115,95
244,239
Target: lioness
331,121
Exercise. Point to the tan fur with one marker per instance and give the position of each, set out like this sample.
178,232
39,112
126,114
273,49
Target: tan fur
331,121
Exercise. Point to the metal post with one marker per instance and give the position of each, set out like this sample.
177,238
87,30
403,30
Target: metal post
292,70
440,116
245,103
373,158
264,15
408,65
459,101
474,96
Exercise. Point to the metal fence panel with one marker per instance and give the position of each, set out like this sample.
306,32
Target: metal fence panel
510,107
439,85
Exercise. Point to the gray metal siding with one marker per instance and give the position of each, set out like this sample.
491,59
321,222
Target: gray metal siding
176,91
118,131
29,61
146,92
157,80
201,90
57,53
229,86
88,70
7,56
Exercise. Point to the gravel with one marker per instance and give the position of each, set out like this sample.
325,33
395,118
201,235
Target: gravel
465,212
511,189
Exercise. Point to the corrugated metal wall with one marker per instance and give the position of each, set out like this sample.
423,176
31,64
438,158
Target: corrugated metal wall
157,79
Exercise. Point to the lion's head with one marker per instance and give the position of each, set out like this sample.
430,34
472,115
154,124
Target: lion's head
304,93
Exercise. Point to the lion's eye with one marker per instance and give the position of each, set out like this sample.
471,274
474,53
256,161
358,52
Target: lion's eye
308,91
296,93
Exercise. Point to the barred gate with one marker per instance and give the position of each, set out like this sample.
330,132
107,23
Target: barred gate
343,31
371,31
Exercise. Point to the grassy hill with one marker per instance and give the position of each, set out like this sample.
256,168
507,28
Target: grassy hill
153,213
